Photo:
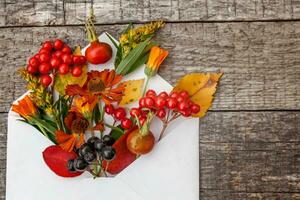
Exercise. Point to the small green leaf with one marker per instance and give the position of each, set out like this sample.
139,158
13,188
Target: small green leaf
116,133
113,41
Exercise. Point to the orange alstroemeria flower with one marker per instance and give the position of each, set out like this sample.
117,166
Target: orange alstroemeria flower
25,108
156,57
69,141
99,84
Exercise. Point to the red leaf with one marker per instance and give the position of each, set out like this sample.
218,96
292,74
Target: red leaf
57,159
123,157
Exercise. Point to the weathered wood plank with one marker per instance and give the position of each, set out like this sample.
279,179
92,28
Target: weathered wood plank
243,155
3,136
42,12
260,60
250,152
229,195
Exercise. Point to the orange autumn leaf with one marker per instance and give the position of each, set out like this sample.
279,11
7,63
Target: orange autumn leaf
201,88
132,92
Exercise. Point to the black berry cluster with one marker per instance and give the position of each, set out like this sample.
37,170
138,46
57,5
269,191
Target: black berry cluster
95,149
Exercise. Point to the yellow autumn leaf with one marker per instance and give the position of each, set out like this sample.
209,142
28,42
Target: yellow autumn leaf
61,81
201,88
133,91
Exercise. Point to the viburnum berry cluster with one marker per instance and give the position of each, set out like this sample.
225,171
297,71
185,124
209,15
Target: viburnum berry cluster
167,107
119,114
93,153
55,57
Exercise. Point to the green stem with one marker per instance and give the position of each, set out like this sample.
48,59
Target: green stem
146,85
113,127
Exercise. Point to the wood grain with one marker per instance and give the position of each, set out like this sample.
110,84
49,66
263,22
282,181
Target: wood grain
253,152
58,12
243,155
260,60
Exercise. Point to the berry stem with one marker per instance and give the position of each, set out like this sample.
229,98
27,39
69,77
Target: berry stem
166,123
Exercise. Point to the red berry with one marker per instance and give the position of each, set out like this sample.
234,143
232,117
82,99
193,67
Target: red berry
149,102
55,62
174,95
58,44
109,109
82,60
44,68
186,113
44,57
142,102
161,113
37,56
184,94
150,92
42,50
195,108
160,102
76,71
47,45
142,119
63,68
66,49
172,103
163,95
58,54
67,59
179,98
126,123
34,62
32,70
120,113
76,60
182,106
135,112
45,80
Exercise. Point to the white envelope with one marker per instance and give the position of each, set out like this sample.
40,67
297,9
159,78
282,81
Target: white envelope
169,172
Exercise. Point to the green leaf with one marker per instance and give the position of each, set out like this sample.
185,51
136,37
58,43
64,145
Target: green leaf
139,63
130,26
116,133
96,114
113,41
131,58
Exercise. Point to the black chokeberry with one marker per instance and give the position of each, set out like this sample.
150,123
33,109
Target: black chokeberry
108,140
108,153
84,149
98,145
79,164
89,157
70,166
92,140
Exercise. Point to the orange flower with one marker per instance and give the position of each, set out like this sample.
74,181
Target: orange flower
25,108
85,106
75,122
156,57
69,141
99,84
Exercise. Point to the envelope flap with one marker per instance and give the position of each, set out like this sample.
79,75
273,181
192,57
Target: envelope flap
171,171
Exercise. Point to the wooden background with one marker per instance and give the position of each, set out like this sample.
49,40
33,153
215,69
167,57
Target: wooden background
250,140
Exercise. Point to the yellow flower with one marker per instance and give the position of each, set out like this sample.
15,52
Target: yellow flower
85,106
156,57
25,108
